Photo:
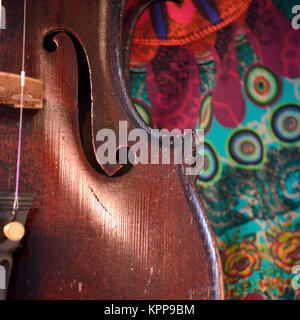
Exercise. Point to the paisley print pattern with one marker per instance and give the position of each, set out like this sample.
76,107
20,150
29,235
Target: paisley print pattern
228,101
237,76
174,89
276,181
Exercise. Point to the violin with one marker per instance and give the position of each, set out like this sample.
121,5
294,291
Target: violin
91,230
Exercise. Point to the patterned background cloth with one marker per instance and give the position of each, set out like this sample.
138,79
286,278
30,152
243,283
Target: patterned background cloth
232,68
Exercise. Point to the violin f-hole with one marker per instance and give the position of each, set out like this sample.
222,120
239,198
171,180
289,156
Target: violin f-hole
84,100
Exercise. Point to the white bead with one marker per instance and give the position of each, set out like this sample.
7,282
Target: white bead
14,231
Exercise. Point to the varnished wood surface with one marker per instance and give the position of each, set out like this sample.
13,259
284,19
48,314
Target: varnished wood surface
141,235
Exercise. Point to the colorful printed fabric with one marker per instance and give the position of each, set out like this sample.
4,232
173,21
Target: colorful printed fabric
232,68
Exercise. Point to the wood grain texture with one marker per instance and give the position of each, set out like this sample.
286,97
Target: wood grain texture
140,235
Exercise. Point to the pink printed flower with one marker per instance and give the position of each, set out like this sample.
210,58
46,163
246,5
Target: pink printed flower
285,250
240,260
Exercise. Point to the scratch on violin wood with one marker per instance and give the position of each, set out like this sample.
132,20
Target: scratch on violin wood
99,202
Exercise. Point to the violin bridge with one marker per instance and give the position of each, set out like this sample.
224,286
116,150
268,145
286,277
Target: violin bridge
10,88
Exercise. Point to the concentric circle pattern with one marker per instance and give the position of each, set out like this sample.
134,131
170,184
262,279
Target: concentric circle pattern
286,123
246,147
262,86
211,165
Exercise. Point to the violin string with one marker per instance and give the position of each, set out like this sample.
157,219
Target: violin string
16,201
0,14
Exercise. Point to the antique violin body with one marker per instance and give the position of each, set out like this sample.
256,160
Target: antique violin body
93,231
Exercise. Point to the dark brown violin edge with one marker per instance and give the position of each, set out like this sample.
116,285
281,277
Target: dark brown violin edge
188,184
138,235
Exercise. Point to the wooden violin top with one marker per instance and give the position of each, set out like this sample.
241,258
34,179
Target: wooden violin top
94,232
